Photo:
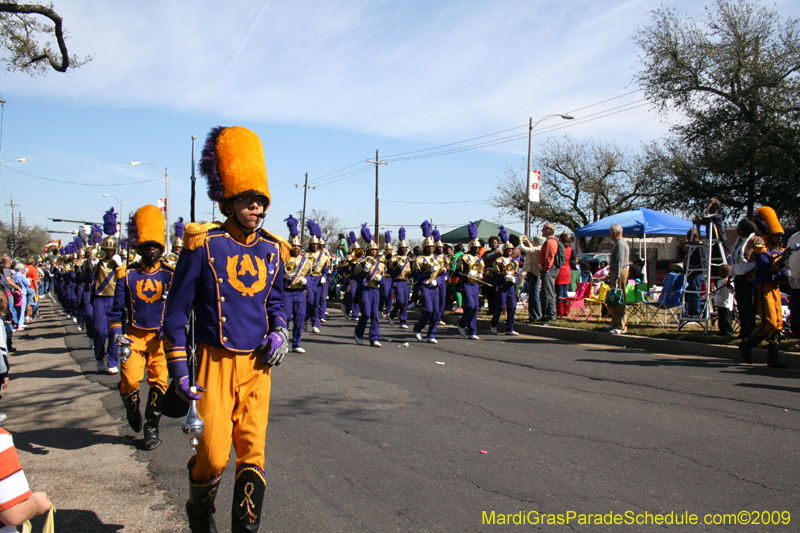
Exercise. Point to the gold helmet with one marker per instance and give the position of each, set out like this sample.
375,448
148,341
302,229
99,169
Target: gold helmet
372,245
110,242
177,242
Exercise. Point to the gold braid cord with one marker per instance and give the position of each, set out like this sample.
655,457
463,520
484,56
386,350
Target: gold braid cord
248,503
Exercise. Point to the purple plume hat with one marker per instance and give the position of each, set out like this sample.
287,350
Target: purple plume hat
472,229
387,237
179,225
366,234
426,229
123,243
502,234
292,223
110,222
208,166
437,236
401,234
351,239
96,235
133,233
79,242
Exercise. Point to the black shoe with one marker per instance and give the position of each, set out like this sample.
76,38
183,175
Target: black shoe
746,352
547,322
152,413
134,415
200,506
248,498
773,361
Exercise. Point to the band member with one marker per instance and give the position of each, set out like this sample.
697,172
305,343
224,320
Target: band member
139,301
232,275
368,274
400,270
318,265
444,273
771,270
425,269
77,284
324,281
104,286
385,304
177,242
505,274
470,270
295,271
350,305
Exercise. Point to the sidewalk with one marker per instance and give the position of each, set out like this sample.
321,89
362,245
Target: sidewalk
69,444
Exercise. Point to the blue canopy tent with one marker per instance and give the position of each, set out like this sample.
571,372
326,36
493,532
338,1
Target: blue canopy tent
642,221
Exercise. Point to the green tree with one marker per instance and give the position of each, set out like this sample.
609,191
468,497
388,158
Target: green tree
581,182
732,75
20,33
24,242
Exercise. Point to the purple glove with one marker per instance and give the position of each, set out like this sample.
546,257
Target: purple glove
274,347
183,389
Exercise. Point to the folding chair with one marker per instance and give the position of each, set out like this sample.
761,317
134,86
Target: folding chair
598,303
634,300
576,305
668,301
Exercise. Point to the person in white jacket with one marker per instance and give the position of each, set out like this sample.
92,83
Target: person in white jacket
530,269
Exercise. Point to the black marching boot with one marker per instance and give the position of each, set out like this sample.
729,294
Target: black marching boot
200,506
152,413
747,345
773,361
131,403
248,498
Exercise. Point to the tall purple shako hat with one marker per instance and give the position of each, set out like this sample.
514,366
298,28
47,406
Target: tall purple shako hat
366,234
472,229
294,231
133,233
110,229
387,241
502,234
315,231
437,237
179,229
401,234
426,233
95,235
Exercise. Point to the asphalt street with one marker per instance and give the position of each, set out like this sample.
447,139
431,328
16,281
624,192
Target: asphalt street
430,437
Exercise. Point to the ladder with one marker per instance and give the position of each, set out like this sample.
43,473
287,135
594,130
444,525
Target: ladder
712,256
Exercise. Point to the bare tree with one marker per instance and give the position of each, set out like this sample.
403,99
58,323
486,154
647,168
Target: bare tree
331,227
20,32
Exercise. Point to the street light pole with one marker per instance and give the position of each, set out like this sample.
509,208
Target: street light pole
166,202
529,173
377,162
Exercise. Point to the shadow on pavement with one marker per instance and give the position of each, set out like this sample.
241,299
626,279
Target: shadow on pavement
662,362
312,405
75,520
37,441
47,373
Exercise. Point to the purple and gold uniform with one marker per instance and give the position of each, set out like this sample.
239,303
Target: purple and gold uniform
771,271
368,273
385,305
141,291
234,280
319,266
400,270
505,274
324,281
443,278
425,269
295,273
470,268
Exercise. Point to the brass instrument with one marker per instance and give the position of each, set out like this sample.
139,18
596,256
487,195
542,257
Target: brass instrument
290,267
358,253
369,263
511,267
172,258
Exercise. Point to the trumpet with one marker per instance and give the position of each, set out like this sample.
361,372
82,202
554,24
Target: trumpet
290,267
172,258
358,253
369,263
511,267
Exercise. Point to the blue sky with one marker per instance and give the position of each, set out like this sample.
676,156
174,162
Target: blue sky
324,84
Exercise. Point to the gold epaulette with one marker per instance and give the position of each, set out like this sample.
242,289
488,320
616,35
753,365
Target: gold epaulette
194,234
760,248
285,247
120,271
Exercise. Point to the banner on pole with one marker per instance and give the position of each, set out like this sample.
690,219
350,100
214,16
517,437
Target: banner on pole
534,179
162,204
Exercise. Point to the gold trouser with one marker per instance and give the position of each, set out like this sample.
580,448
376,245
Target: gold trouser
147,349
235,410
768,307
618,318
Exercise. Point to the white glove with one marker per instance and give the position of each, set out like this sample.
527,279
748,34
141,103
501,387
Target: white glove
118,260
93,262
322,280
378,277
480,276
433,283
510,278
303,281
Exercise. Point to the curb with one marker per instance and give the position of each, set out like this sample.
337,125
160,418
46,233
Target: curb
666,346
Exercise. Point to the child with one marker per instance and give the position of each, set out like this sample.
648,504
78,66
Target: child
723,301
17,503
3,350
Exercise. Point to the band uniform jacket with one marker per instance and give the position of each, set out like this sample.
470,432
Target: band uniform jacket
468,268
142,292
236,290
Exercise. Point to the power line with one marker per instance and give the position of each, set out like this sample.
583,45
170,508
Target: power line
84,184
435,203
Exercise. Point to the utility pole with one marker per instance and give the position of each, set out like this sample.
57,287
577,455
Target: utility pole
167,246
303,216
528,180
13,233
377,162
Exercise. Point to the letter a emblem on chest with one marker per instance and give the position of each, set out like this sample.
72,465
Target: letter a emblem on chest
247,267
147,285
